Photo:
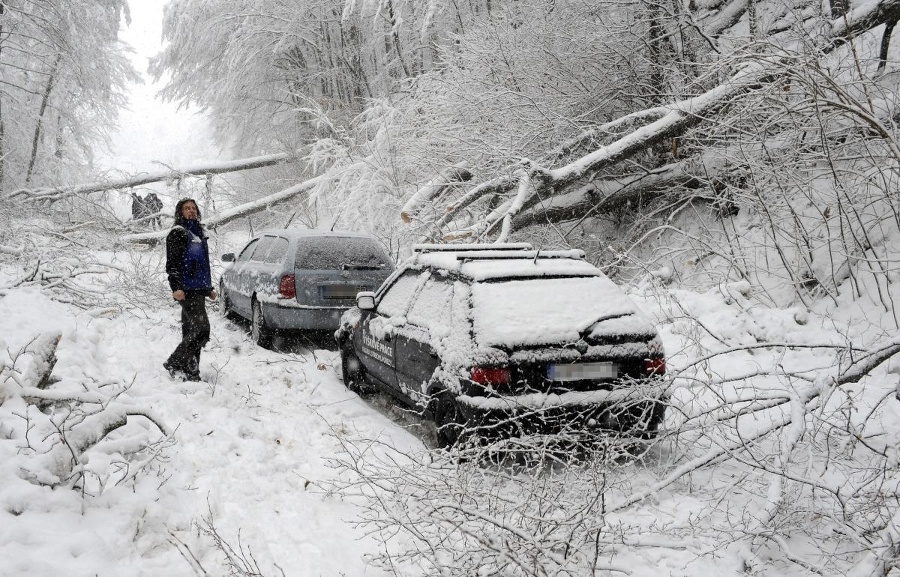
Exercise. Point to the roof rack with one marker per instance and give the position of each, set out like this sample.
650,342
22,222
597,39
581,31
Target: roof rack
520,254
472,247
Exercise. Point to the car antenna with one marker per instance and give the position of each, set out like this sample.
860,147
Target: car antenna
335,221
537,253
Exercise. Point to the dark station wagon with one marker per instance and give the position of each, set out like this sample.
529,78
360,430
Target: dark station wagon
504,338
300,280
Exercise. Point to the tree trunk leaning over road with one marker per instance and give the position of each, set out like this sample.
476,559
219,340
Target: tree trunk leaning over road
54,194
237,212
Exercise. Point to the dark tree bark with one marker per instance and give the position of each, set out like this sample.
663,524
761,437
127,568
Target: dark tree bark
37,129
839,8
395,38
885,43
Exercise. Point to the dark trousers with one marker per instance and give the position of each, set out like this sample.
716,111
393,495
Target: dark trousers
194,334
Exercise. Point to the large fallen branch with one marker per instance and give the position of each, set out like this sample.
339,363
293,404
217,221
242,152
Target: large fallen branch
650,127
54,194
603,196
434,188
239,211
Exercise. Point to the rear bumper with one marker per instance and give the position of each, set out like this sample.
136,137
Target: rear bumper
637,411
298,317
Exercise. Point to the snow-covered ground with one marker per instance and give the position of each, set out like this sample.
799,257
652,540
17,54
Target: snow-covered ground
244,462
250,451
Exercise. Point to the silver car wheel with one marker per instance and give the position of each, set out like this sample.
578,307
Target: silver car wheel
224,303
258,331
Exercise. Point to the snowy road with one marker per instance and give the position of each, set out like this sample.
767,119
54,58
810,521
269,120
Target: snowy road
251,455
254,443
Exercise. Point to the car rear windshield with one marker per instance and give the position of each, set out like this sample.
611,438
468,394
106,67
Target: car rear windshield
541,311
341,253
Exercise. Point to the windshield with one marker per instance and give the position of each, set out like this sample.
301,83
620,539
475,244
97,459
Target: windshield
337,253
548,310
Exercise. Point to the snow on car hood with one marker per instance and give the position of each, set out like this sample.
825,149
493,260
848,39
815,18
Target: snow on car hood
533,312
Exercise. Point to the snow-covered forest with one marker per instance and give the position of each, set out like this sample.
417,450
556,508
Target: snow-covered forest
733,164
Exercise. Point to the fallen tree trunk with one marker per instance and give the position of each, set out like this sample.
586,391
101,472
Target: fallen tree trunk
646,129
54,194
237,212
604,196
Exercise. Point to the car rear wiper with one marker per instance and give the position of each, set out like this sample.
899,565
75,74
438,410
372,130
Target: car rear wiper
362,266
583,333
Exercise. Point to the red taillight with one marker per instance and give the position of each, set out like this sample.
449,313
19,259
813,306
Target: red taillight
656,366
487,376
287,287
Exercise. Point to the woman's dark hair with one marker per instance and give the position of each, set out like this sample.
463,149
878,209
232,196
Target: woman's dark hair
179,219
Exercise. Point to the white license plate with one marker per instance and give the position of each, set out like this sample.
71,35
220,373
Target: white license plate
582,371
340,291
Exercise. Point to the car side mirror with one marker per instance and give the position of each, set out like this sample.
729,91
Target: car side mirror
228,257
365,300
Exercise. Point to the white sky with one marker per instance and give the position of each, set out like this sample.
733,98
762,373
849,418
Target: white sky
154,132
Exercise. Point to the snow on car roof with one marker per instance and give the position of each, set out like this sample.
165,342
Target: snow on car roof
526,297
486,264
309,232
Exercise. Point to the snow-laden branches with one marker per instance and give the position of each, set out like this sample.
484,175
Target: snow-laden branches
645,130
58,431
775,454
63,75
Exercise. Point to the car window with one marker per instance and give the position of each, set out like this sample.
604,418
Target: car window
531,312
278,250
395,301
432,306
338,253
248,250
262,248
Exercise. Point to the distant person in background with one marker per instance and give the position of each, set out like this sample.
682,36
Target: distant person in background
154,206
138,208
187,264
145,210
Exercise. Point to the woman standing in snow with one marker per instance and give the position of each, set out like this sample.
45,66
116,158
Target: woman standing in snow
187,264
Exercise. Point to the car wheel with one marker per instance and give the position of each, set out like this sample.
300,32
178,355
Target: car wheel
449,420
655,419
352,370
259,333
224,303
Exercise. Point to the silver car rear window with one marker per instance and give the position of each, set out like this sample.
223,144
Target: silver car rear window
341,253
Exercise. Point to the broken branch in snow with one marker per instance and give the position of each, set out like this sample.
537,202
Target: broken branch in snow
805,399
11,250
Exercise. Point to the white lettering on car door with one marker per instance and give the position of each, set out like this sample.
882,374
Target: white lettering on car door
374,340
378,350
